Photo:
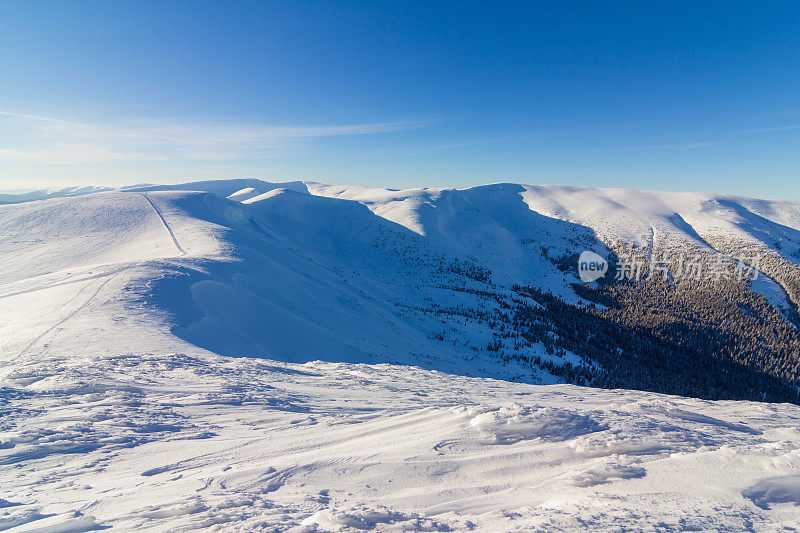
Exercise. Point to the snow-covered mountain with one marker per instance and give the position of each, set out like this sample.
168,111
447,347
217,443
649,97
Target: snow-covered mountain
240,354
304,271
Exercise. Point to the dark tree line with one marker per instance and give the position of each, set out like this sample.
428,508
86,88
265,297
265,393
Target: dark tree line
708,338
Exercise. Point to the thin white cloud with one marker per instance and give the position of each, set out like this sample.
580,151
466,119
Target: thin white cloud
770,130
690,146
42,139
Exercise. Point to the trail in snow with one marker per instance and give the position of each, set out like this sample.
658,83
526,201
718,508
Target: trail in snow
63,283
69,315
166,225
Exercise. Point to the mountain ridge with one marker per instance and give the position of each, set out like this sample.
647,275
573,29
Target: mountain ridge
300,271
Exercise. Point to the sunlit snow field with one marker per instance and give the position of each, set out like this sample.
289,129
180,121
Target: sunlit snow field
131,396
171,442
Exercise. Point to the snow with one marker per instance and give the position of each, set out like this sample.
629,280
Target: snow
675,218
29,195
240,355
769,289
772,491
165,442
513,423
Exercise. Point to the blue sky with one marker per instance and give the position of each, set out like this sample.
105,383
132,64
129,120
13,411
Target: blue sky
675,96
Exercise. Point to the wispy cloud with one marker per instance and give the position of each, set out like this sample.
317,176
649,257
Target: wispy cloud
770,130
689,146
51,140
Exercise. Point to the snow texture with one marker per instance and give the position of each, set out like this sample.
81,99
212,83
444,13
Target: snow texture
244,356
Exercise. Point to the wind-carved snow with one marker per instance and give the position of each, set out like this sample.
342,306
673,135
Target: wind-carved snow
166,442
774,491
513,423
240,355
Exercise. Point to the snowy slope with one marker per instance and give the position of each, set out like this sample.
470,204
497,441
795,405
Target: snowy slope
242,354
291,276
173,441
11,197
623,215
246,267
